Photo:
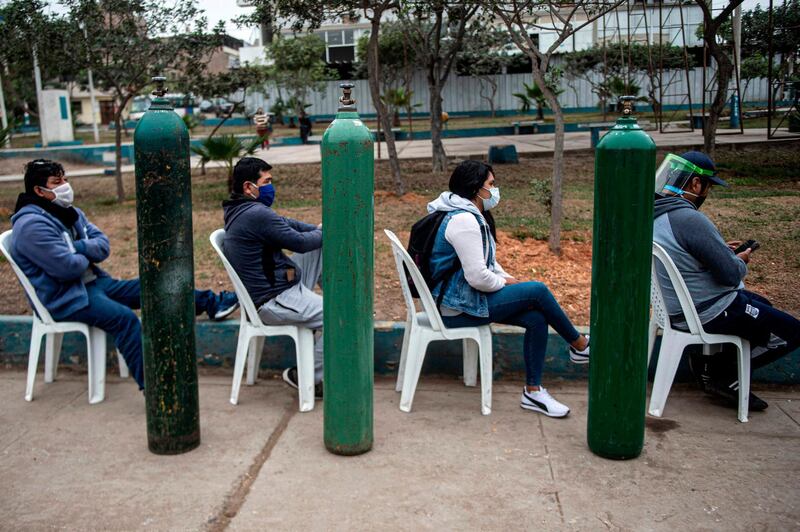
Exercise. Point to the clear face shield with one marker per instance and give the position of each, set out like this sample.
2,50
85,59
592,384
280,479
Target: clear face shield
675,173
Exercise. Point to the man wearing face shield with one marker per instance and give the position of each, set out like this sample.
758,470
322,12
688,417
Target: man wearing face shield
60,251
282,287
714,277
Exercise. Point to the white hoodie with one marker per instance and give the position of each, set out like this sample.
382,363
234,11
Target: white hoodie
464,234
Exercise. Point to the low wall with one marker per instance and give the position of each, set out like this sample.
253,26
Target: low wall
216,347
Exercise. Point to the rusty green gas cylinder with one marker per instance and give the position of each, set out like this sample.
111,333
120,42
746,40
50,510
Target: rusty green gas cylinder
622,241
347,251
166,272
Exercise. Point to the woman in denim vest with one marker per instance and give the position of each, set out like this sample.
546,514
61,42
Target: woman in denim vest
479,291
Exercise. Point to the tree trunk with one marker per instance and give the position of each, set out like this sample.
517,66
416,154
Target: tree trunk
539,111
724,74
224,119
118,153
556,195
373,67
439,156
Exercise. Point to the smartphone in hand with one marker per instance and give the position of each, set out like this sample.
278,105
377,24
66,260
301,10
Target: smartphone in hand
752,244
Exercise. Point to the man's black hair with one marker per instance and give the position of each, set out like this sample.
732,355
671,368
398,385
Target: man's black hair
248,169
467,179
38,171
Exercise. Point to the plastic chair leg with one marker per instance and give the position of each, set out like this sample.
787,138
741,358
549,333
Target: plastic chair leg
52,352
669,357
33,361
96,358
238,367
471,349
416,355
254,359
124,373
744,380
305,368
259,353
485,355
652,330
401,368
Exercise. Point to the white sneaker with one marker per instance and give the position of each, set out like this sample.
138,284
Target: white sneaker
579,357
541,401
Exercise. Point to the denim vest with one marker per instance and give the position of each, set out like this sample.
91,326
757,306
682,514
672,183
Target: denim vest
458,294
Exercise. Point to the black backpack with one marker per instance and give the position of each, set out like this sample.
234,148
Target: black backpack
420,248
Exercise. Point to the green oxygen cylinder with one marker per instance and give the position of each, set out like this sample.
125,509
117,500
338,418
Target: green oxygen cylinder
166,272
625,162
348,166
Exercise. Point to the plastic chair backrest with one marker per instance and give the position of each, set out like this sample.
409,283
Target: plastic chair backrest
41,311
687,306
245,301
402,257
660,315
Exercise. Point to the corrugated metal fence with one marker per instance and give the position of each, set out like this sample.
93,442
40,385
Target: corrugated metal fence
463,94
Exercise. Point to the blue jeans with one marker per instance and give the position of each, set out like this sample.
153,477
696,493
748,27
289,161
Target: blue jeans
530,305
110,308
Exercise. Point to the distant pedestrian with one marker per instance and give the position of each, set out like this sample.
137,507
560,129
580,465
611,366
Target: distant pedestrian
305,127
263,127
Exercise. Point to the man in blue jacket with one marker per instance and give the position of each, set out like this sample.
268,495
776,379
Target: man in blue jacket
60,250
714,277
282,288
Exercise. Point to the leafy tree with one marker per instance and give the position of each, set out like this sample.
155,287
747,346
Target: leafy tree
562,20
711,33
126,42
753,67
484,56
436,30
26,30
298,67
785,36
396,57
231,85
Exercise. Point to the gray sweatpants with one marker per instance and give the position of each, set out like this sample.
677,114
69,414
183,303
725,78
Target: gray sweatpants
300,305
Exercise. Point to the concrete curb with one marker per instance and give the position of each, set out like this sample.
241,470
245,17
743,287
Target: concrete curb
216,347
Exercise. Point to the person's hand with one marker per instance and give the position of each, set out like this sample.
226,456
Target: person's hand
745,255
733,244
319,226
511,280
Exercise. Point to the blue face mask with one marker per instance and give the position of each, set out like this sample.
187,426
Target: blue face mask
266,194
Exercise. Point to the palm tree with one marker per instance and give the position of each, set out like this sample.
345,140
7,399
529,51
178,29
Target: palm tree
534,94
225,148
397,99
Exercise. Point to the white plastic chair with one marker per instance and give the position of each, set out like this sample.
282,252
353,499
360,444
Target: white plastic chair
251,339
425,327
674,342
53,331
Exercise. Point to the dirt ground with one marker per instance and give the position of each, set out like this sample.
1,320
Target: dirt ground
765,207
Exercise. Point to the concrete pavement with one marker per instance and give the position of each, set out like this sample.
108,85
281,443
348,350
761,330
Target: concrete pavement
262,465
472,147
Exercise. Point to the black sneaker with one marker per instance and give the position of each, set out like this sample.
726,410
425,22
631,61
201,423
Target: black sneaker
290,378
729,394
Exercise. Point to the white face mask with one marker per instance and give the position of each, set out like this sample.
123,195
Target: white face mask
64,195
493,200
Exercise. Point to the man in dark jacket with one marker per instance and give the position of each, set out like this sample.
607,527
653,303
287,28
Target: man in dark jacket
714,276
255,237
60,250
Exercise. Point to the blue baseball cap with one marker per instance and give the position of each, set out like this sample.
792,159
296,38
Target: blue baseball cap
701,160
